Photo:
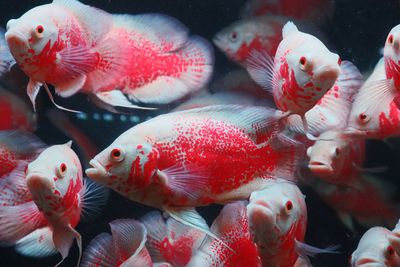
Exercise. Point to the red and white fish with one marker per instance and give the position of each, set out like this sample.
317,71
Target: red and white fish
336,158
170,241
15,113
6,59
124,247
374,249
237,249
368,200
301,73
150,58
332,111
374,113
40,208
262,34
313,11
277,218
16,149
196,157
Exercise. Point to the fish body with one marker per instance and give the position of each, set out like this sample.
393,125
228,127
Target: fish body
374,249
149,57
124,247
369,117
170,241
44,202
187,158
278,219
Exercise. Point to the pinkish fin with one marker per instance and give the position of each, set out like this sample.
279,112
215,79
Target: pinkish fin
32,90
260,67
167,32
334,108
93,197
190,180
6,59
100,252
18,221
54,103
13,188
96,22
288,153
129,237
116,98
289,28
253,120
191,218
39,243
156,232
70,87
198,54
232,215
63,238
305,251
24,143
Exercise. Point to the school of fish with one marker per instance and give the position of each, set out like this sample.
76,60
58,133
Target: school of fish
293,118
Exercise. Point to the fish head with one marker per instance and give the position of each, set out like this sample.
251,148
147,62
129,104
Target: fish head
55,175
315,70
30,34
129,163
375,250
235,39
328,154
391,49
274,212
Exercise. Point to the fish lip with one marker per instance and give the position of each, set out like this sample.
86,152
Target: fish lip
353,132
37,178
17,35
368,262
218,42
320,166
98,169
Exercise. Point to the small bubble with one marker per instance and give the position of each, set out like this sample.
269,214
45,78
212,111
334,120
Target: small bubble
82,116
96,116
123,118
108,117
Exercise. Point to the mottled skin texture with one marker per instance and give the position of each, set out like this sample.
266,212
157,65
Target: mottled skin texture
218,160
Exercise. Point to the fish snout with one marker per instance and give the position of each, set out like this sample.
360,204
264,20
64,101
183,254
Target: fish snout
326,76
320,168
98,173
38,182
16,38
260,212
368,261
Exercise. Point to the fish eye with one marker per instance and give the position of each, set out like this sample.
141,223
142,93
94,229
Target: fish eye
234,36
390,251
339,61
303,63
288,206
62,170
391,39
39,31
364,118
116,155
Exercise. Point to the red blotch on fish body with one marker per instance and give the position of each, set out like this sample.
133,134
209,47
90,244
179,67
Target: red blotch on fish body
70,201
179,252
393,71
389,124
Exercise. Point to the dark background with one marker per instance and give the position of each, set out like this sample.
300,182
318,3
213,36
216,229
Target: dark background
357,32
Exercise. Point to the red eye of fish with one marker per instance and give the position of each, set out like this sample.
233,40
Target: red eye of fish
337,151
234,36
390,251
390,39
62,169
303,61
39,29
116,153
289,205
363,116
339,61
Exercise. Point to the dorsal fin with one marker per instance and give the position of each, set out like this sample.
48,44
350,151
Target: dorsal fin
289,28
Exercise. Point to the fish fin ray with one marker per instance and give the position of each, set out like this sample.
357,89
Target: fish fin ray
32,90
305,250
39,243
100,251
156,232
115,98
13,188
93,196
260,67
70,87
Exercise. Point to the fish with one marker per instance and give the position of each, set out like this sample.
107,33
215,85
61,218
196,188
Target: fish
196,157
370,118
332,111
277,218
124,247
238,40
374,249
41,206
315,11
336,158
16,149
16,114
302,71
368,200
6,58
232,227
150,58
170,241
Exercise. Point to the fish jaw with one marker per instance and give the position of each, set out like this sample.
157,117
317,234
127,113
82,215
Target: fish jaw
368,261
320,168
98,173
261,221
326,76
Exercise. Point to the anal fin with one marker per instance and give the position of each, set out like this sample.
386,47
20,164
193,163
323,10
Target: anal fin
39,243
116,98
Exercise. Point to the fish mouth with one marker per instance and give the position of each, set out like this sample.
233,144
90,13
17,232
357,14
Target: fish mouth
38,181
218,42
98,172
368,262
16,38
318,167
353,132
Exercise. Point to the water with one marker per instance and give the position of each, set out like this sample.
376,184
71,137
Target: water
357,31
